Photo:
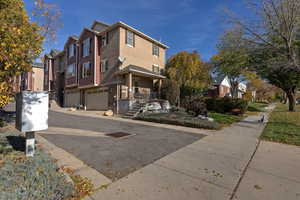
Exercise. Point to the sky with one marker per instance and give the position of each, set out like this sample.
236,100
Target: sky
183,25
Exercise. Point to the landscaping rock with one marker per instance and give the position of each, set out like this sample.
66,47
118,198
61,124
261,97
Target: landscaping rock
206,118
72,109
109,113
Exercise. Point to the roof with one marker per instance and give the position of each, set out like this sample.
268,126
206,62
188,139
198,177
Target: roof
122,24
137,69
74,37
38,65
218,80
98,22
88,29
54,52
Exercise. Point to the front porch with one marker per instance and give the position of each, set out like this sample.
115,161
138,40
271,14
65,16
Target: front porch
137,86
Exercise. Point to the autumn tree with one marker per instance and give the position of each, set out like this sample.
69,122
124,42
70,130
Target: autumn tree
273,40
263,90
188,71
48,17
170,91
232,59
20,45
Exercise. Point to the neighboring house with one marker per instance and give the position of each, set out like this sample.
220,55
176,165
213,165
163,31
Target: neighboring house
221,87
242,89
108,67
32,81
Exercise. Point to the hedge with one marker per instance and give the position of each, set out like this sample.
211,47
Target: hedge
226,105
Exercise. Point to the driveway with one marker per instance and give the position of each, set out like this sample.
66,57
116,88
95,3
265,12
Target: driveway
85,137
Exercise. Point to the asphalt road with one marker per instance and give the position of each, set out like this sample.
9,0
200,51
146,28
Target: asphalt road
115,157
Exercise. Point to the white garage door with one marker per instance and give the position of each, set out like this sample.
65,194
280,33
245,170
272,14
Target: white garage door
72,99
97,100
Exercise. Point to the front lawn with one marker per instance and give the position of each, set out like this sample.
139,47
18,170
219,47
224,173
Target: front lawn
225,119
177,118
29,178
283,126
257,107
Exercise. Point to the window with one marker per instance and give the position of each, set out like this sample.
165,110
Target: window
155,50
86,47
70,71
104,40
130,38
104,65
86,70
155,69
71,50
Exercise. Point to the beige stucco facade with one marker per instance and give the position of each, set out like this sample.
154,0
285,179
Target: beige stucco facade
38,78
141,53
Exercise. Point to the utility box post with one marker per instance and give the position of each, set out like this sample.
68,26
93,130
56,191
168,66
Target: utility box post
31,115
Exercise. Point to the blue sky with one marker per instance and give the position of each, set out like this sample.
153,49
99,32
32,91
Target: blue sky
181,24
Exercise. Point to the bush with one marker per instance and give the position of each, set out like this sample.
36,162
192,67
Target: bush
195,105
2,123
226,105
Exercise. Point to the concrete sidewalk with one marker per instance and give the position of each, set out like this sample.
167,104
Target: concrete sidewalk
273,174
207,169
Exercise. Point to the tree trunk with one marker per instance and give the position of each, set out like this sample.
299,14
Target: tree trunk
292,100
284,98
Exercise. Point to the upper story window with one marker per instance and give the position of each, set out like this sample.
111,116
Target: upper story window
155,69
86,47
155,50
130,38
71,71
104,40
86,70
104,65
71,50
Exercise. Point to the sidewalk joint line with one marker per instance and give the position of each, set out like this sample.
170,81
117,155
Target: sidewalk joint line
194,177
244,172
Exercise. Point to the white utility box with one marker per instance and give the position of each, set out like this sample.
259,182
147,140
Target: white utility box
32,111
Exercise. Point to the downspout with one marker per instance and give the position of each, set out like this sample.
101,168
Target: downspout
95,54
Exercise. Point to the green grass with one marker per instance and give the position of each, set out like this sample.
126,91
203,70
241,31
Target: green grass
257,107
283,126
225,119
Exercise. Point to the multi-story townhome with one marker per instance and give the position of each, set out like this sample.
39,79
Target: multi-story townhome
111,67
54,75
32,81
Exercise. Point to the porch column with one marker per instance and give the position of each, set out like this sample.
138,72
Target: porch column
159,88
129,84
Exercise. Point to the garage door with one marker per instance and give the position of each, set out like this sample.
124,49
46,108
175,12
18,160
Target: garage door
97,100
72,99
